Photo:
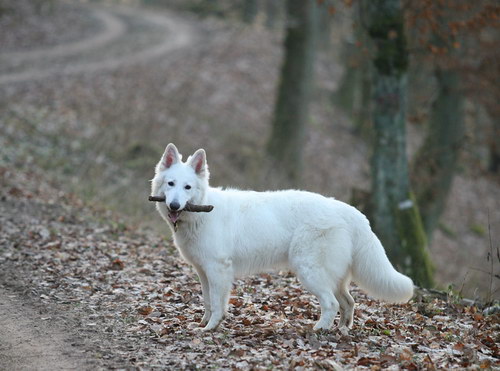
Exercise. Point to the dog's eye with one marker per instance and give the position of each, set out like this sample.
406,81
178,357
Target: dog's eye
171,184
187,187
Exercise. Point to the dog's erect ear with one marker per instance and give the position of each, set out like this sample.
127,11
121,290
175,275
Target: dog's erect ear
171,156
198,162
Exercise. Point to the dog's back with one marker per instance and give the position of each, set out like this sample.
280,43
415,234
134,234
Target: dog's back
256,229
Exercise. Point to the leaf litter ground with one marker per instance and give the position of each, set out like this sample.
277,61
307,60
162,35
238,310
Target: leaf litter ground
131,302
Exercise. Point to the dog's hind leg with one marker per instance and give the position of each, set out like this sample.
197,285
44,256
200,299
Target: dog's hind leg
346,305
319,258
315,280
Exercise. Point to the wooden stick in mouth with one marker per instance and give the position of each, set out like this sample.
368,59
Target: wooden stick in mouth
189,206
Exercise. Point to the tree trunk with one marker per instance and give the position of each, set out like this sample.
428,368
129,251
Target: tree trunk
395,214
273,11
354,92
250,10
494,148
324,25
291,108
437,160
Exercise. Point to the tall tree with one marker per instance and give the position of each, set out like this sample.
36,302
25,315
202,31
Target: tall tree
436,162
291,108
353,95
394,211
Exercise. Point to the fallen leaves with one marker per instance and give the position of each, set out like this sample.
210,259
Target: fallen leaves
145,310
143,305
117,265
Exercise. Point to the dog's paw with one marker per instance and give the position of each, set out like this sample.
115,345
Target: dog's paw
321,327
196,328
211,326
208,328
344,330
204,321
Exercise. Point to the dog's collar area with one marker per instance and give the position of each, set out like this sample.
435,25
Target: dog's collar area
177,224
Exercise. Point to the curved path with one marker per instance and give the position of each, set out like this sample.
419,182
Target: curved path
177,34
113,28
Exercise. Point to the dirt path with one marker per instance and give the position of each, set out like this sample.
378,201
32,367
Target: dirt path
176,34
31,341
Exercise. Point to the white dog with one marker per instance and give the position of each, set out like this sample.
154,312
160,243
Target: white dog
325,242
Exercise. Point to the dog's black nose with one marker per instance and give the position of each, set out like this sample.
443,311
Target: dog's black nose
174,205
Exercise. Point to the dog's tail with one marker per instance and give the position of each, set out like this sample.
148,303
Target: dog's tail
374,273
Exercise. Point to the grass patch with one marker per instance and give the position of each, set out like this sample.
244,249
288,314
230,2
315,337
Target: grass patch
447,230
478,230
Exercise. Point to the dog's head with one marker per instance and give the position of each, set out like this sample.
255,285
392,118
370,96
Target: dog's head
180,182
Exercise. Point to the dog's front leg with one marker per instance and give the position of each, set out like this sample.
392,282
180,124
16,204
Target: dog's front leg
220,279
205,289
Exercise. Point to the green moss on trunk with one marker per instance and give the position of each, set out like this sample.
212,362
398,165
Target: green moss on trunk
417,262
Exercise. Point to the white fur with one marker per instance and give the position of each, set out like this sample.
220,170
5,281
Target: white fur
325,242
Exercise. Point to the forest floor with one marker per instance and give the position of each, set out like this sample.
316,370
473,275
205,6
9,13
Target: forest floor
80,287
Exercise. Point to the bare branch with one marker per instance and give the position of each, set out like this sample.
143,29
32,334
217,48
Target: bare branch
189,206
